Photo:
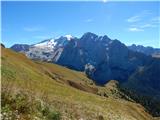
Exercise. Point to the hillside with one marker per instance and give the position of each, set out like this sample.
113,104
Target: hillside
53,87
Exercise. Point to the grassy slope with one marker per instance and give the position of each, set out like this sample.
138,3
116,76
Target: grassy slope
49,82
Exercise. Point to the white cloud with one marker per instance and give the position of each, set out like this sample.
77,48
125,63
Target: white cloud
148,26
88,20
142,27
134,19
142,21
146,12
134,29
139,17
32,29
156,19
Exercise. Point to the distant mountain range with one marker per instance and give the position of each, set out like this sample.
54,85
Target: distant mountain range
102,59
146,50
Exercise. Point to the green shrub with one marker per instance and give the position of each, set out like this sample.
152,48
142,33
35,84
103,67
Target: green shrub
53,115
48,112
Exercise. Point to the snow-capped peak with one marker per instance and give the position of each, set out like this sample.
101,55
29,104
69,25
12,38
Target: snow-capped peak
53,43
48,43
69,37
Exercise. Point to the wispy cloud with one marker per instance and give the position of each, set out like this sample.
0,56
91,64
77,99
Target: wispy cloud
156,19
142,21
89,20
32,29
134,19
142,27
139,17
148,26
134,29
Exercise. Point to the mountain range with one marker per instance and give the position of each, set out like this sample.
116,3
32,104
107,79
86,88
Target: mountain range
146,50
102,59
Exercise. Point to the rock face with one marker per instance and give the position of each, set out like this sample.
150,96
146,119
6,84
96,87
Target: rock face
146,79
101,58
20,47
145,50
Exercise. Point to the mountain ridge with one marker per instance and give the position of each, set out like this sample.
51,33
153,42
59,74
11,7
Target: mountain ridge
146,50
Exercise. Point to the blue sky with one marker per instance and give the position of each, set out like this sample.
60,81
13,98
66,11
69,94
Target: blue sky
129,22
